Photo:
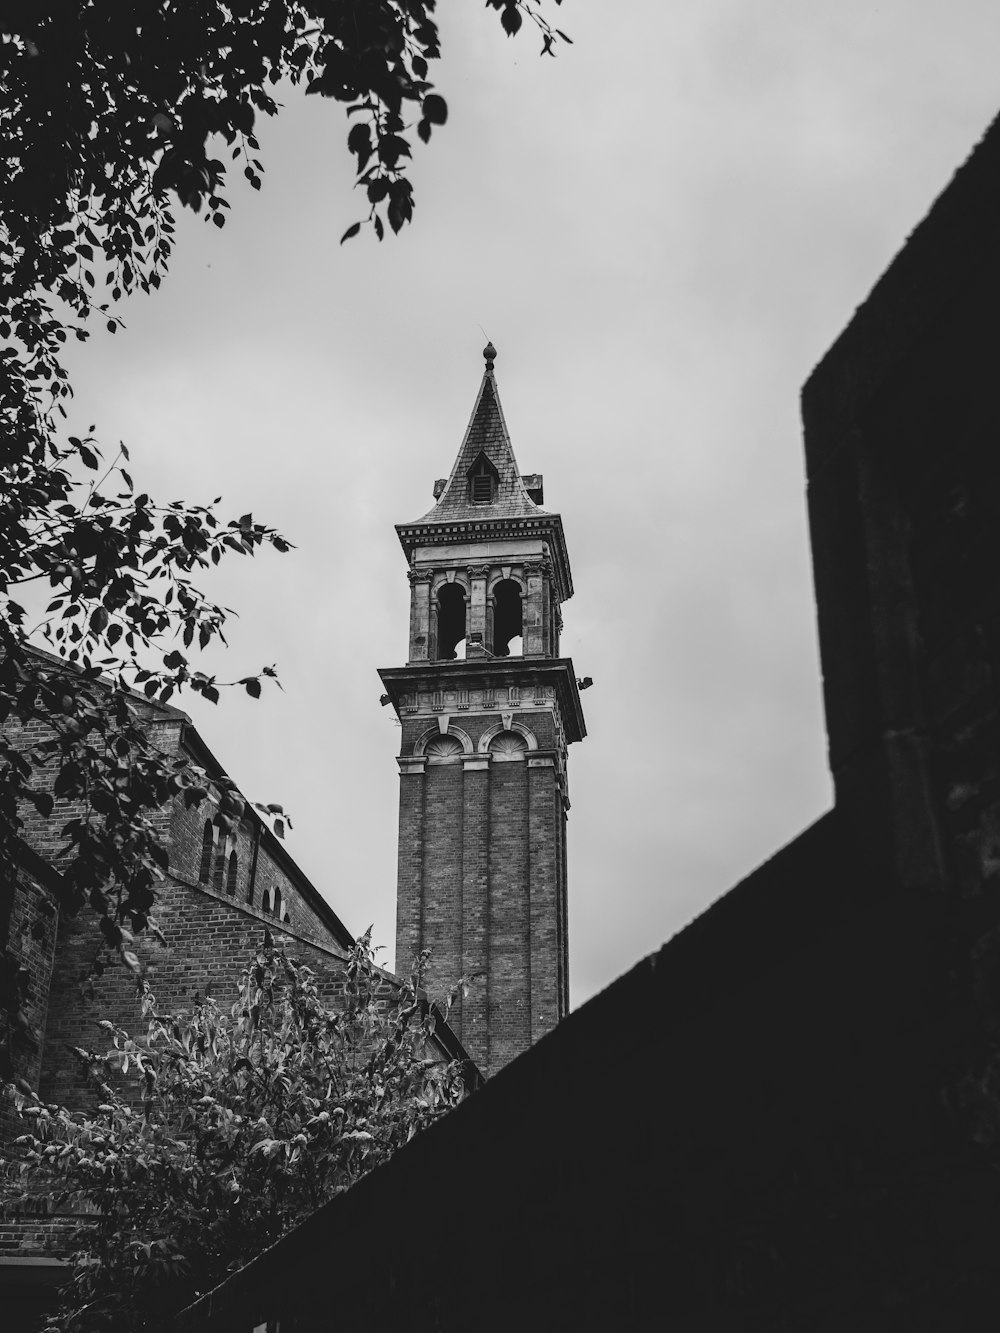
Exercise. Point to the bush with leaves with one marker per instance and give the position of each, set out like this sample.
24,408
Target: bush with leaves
220,1130
110,113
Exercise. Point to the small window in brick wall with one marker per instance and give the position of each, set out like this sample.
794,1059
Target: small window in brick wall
207,847
231,870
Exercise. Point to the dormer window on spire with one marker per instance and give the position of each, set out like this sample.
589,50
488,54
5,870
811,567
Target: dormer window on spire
483,481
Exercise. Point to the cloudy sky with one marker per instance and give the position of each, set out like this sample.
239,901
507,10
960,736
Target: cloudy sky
661,231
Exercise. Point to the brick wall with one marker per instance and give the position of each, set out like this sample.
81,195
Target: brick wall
208,938
482,884
207,924
441,920
31,942
250,841
511,983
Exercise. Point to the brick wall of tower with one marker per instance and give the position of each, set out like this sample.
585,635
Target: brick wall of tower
511,861
472,1017
409,870
482,884
441,923
545,909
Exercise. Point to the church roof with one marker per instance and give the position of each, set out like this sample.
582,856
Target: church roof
486,435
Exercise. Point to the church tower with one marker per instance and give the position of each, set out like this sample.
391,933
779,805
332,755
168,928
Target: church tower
488,709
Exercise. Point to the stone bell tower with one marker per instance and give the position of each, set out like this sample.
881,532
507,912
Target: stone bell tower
488,709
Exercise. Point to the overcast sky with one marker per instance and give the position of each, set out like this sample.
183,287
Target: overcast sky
662,231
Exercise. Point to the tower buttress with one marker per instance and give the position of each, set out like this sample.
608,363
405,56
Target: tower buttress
488,709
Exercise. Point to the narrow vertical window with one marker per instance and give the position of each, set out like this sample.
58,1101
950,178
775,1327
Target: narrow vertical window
219,868
231,875
207,847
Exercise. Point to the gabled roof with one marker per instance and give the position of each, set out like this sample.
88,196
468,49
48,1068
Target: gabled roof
486,434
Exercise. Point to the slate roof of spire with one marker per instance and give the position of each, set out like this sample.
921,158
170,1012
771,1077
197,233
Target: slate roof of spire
487,434
511,513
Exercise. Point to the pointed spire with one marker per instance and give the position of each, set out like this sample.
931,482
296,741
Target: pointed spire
486,448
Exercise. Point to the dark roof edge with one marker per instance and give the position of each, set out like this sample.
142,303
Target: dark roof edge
942,254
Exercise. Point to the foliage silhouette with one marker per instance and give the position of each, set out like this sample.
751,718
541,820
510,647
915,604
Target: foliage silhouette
219,1131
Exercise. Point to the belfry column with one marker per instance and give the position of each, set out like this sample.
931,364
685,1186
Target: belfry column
478,574
420,613
532,611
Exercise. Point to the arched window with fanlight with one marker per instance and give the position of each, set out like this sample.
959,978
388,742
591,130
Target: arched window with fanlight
444,750
508,747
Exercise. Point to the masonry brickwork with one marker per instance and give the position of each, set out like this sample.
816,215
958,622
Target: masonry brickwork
484,739
218,895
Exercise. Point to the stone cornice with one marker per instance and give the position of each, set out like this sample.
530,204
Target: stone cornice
497,673
465,531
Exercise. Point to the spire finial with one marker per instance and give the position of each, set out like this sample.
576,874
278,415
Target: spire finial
490,353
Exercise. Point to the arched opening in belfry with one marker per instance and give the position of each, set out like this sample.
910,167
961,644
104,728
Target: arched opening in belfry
508,621
451,620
